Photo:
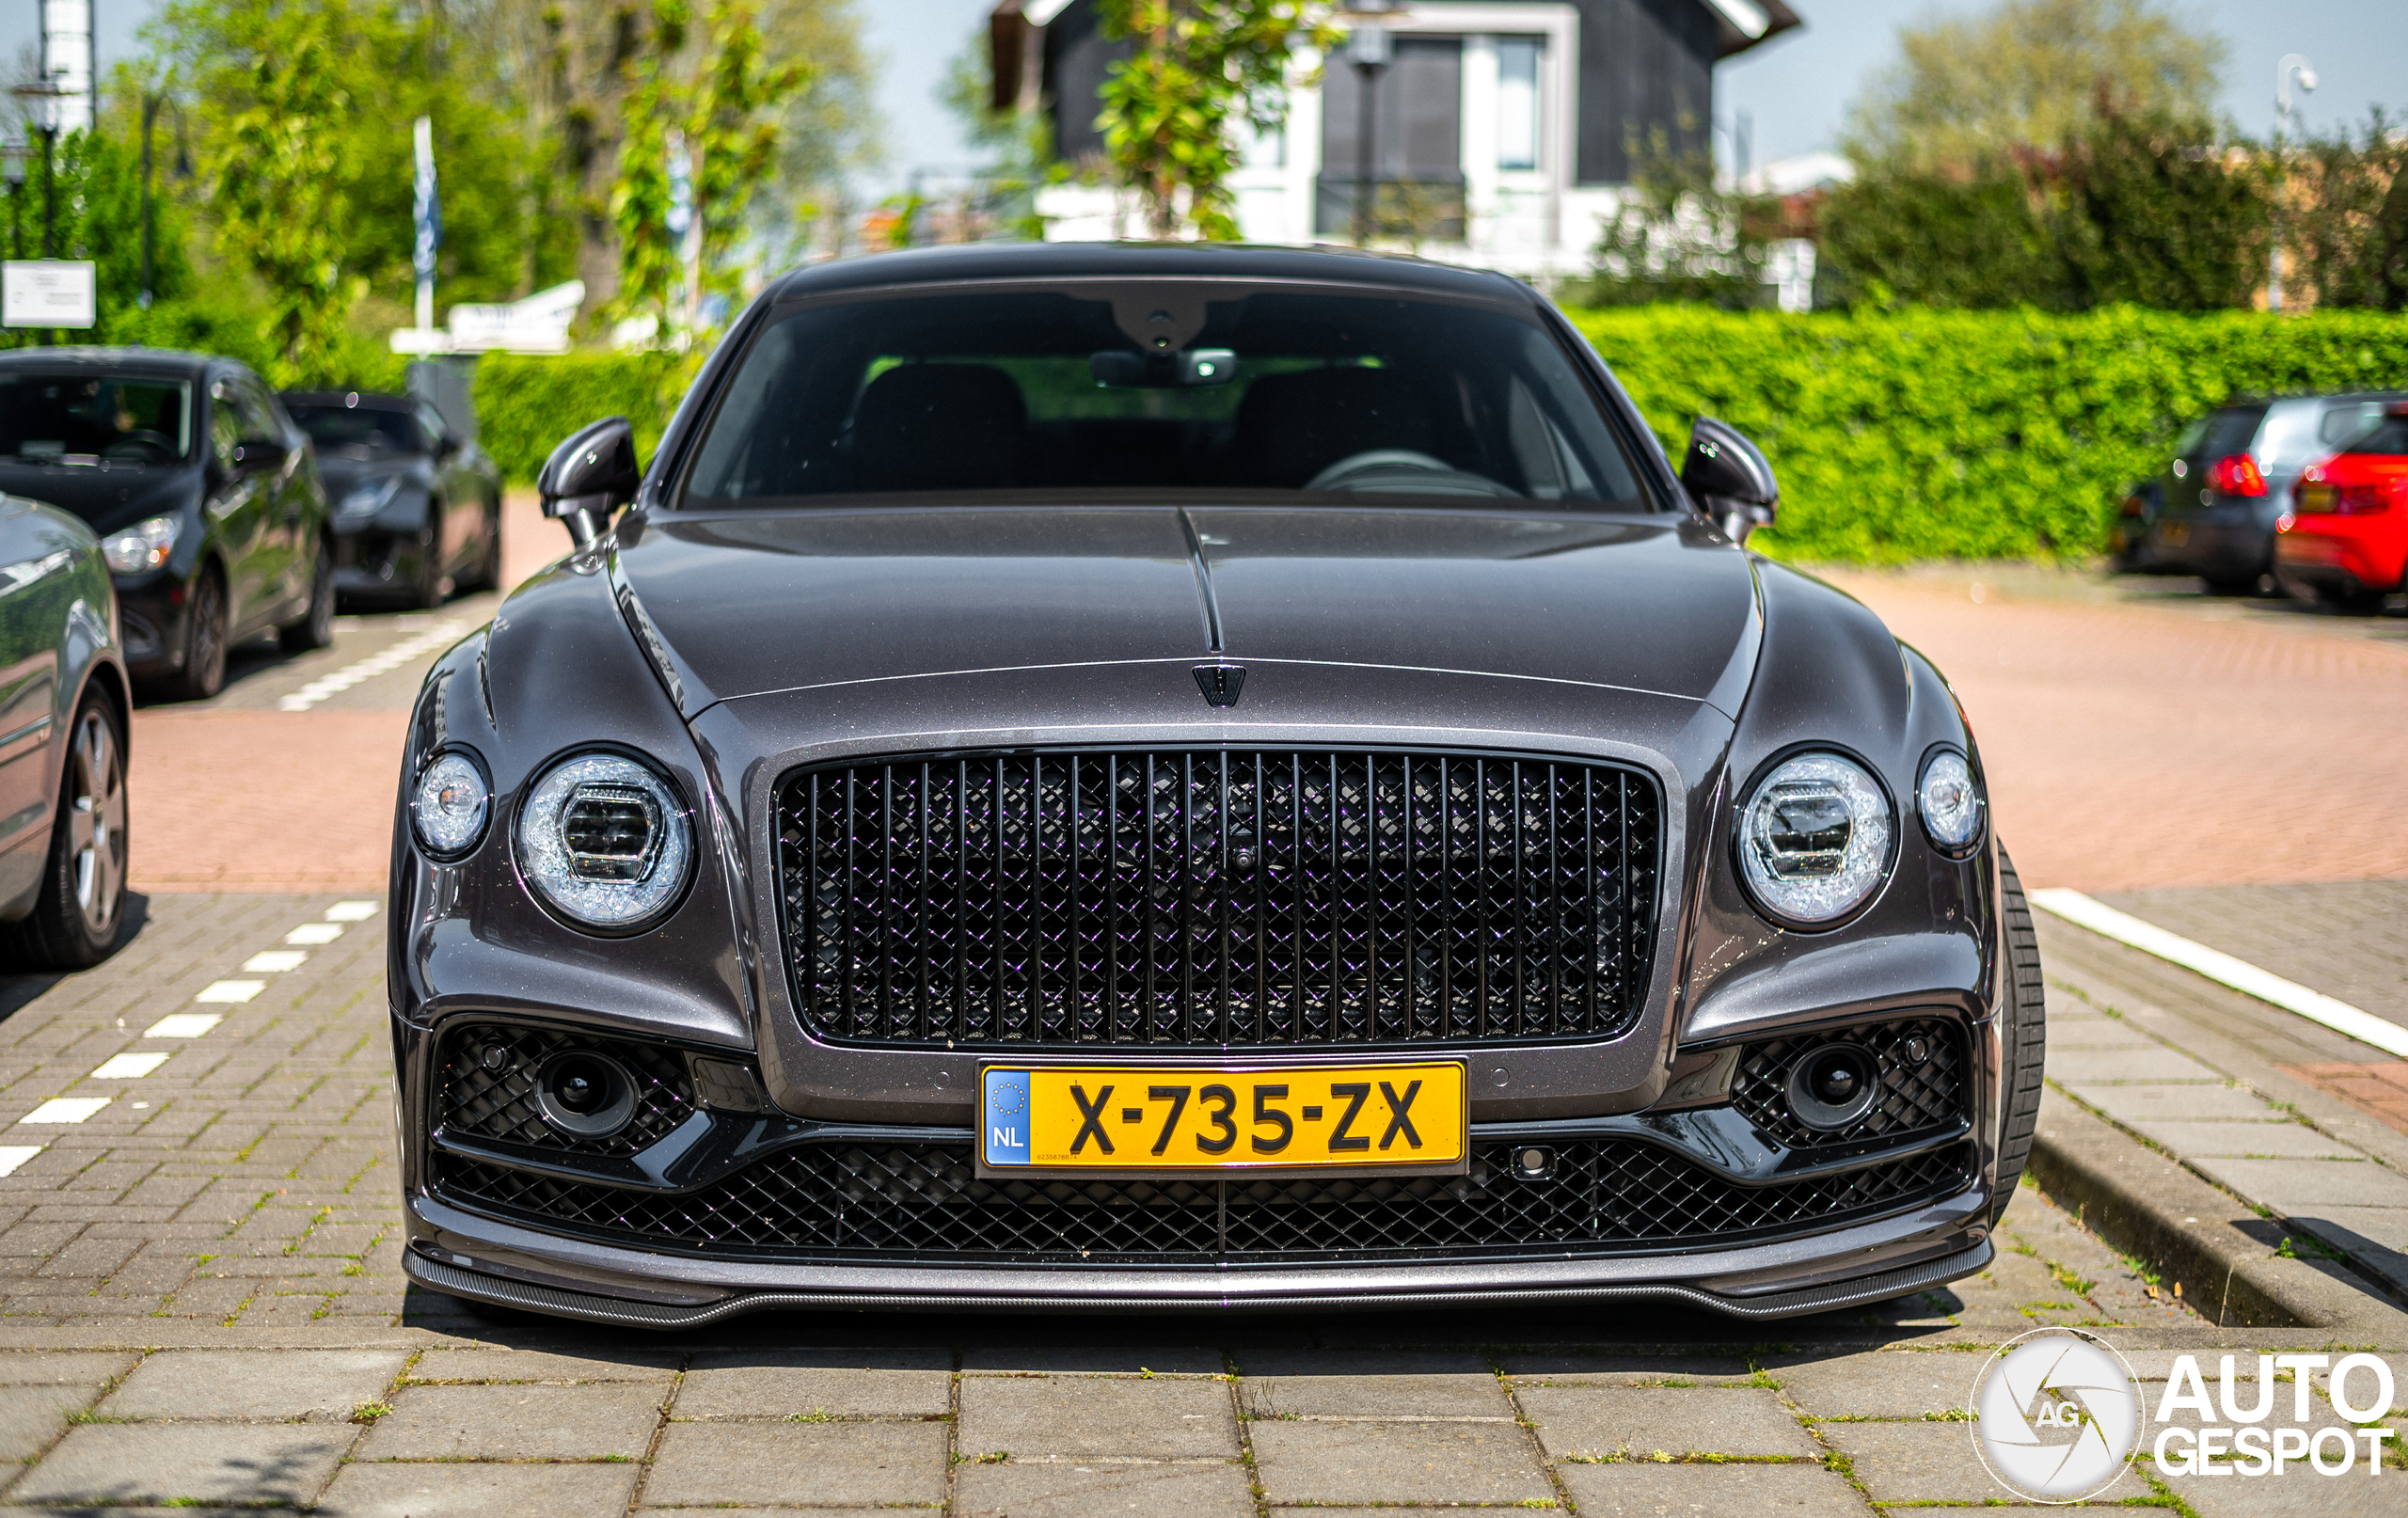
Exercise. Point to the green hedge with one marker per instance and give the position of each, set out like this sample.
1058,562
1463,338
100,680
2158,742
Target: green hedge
1900,434
525,406
1973,434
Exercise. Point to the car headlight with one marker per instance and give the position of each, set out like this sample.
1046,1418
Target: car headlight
447,808
1950,804
1814,839
143,545
604,842
370,498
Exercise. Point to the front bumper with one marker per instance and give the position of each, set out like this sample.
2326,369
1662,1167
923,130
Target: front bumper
151,615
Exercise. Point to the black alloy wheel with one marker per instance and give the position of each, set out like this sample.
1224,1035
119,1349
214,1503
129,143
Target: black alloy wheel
204,672
76,920
316,628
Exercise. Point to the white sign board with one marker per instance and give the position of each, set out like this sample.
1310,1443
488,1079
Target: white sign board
47,292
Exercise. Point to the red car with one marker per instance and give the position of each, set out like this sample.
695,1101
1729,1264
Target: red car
2344,541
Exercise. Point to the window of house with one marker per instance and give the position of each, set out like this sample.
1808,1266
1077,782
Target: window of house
1517,103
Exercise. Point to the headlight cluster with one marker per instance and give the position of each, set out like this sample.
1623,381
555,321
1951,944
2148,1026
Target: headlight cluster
143,545
370,498
1815,835
602,840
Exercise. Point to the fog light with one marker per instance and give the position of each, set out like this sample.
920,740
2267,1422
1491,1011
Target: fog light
1533,1164
1833,1085
585,1095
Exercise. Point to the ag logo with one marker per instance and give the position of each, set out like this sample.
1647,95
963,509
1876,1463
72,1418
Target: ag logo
2057,1415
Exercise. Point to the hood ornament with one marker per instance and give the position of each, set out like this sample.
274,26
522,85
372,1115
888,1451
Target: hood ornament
1220,681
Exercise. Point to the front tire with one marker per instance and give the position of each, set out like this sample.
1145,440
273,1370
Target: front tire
204,672
2023,1027
316,628
487,574
76,920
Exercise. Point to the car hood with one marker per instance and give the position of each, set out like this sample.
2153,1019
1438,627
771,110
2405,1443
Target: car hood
745,606
108,496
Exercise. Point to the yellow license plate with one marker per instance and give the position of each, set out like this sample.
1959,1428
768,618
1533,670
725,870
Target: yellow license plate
1115,1119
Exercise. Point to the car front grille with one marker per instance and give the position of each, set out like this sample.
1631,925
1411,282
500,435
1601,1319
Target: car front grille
1916,1095
1218,898
921,1201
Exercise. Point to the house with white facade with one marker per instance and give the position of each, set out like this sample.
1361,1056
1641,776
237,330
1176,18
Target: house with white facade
1501,131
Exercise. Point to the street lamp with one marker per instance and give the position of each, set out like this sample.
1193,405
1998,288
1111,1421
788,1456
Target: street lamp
12,159
1369,48
2293,66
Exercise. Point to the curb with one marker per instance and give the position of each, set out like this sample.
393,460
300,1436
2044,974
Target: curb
2151,1208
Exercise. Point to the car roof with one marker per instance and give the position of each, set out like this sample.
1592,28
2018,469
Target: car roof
351,399
1108,260
117,360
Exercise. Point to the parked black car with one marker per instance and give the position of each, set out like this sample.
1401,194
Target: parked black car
63,706
417,511
205,496
1100,776
2213,511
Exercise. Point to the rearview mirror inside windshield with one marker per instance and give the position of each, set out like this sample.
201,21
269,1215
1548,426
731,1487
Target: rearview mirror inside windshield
1118,369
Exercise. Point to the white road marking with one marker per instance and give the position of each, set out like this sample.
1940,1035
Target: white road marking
65,1109
269,961
13,1155
128,1067
441,635
315,933
351,911
182,1025
2216,965
230,991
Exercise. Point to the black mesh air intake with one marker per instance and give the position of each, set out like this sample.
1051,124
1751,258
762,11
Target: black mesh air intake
1917,1096
485,1086
1237,898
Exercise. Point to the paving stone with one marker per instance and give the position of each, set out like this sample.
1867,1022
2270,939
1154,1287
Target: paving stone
32,1417
2095,1033
1044,1417
1374,1395
777,1391
1096,1359
1287,1361
1891,1386
1644,1487
479,1490
1605,1369
2137,1104
1934,1463
822,1463
1397,1462
2291,1185
1718,1420
1054,1490
321,1384
2299,1493
2157,1065
51,1368
2281,1141
489,1365
516,1423
189,1462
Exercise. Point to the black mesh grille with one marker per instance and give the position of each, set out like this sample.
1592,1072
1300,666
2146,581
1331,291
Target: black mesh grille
500,1103
923,1201
1239,897
1914,1095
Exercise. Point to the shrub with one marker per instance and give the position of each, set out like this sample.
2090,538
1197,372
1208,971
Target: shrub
525,406
1918,434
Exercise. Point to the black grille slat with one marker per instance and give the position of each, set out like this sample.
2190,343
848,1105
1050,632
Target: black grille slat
1914,1098
1607,1197
1216,898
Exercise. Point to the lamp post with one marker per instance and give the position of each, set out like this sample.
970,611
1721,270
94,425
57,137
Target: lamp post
2293,65
1369,48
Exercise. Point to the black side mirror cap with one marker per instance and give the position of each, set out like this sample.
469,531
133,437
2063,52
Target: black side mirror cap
1730,479
591,474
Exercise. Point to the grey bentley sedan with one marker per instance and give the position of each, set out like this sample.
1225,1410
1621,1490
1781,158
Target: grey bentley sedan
1185,777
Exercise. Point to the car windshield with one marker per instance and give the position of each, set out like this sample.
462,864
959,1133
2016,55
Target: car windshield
86,417
1160,389
356,431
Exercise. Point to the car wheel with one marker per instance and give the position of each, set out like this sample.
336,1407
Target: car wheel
204,672
2218,585
2024,1028
316,628
82,906
487,574
427,591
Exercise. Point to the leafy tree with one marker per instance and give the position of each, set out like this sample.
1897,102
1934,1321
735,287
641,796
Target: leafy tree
1172,109
2029,73
1970,239
2347,216
1017,146
1677,236
2150,211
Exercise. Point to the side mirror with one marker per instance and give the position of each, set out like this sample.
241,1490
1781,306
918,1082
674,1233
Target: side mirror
1730,479
590,475
256,455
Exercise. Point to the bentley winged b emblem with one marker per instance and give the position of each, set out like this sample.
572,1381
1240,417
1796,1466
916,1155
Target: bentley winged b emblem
1221,682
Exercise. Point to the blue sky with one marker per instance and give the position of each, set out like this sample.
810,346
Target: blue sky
1795,89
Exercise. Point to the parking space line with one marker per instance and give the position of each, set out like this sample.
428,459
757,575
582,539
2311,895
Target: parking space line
128,1067
351,911
13,1155
315,933
270,961
438,636
66,1110
230,991
182,1025
2339,1016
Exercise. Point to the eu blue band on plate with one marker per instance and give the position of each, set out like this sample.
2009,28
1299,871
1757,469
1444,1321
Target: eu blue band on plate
1005,1115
